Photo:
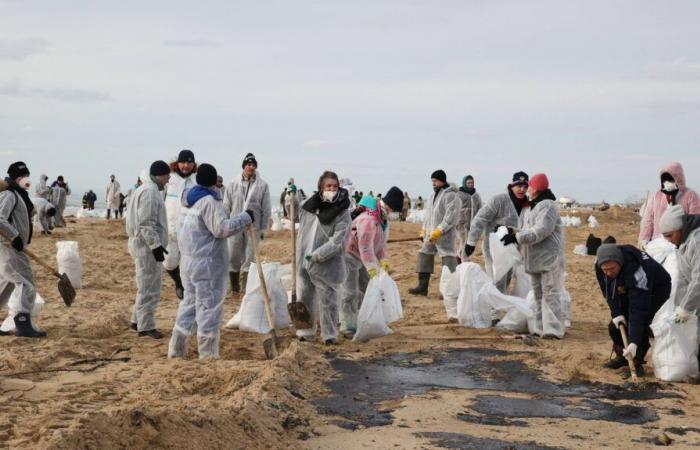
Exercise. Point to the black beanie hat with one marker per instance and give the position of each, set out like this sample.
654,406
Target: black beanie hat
439,175
520,178
394,199
249,158
159,168
17,170
185,156
206,175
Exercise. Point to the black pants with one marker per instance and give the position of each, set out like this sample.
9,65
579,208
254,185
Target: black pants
642,347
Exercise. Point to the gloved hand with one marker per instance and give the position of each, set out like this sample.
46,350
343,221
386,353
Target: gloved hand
252,216
509,239
681,315
17,244
642,245
435,235
159,253
469,249
619,319
630,351
385,264
372,272
291,189
422,232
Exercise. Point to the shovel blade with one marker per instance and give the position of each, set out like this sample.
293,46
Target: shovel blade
65,288
274,345
300,315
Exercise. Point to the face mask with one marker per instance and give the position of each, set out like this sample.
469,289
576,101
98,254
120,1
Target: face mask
670,186
25,183
328,196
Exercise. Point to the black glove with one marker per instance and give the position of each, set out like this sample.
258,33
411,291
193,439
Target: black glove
17,244
250,213
469,249
509,239
262,236
511,230
159,253
495,228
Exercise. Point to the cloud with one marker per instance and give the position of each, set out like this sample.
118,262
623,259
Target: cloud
195,43
16,89
20,49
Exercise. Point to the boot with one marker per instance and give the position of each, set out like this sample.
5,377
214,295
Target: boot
422,288
155,334
24,328
235,282
179,289
618,361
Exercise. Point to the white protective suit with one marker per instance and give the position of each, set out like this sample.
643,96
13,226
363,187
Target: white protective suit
687,288
59,197
15,269
203,230
146,226
173,205
541,244
41,206
442,211
470,206
498,211
42,190
112,196
319,282
242,194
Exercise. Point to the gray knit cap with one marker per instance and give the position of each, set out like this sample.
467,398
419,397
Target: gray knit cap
672,219
609,252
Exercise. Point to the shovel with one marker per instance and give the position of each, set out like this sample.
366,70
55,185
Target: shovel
392,241
272,343
630,361
65,288
297,310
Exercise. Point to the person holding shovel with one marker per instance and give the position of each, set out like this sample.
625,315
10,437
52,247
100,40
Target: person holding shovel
366,249
204,227
635,287
247,191
324,223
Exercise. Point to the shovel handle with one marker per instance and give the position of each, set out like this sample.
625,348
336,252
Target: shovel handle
261,276
292,210
392,241
630,361
35,258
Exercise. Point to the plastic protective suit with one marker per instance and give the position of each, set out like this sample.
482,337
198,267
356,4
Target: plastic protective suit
41,206
173,204
58,198
471,204
442,211
498,211
542,246
146,226
242,194
204,227
319,280
42,190
15,269
112,195
688,285
365,247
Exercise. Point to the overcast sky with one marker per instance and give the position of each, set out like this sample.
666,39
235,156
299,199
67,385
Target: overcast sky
597,94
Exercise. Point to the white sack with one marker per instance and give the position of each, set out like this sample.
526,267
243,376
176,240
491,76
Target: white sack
68,257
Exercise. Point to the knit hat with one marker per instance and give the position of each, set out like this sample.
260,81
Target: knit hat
17,170
539,182
185,156
206,175
159,168
520,178
249,158
394,199
672,219
609,252
439,175
60,178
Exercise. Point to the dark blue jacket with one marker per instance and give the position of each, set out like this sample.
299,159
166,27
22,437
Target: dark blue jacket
640,289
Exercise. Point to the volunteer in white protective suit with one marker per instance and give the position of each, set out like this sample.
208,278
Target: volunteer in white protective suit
112,197
16,227
541,243
182,177
471,204
204,227
683,230
366,249
146,226
504,209
44,212
59,194
42,190
439,233
247,191
324,223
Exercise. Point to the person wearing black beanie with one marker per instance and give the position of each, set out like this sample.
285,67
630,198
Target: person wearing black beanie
206,175
438,232
147,228
394,199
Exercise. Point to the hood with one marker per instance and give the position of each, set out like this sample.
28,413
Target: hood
691,222
676,170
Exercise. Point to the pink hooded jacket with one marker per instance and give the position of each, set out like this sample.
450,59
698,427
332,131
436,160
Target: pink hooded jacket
366,241
656,205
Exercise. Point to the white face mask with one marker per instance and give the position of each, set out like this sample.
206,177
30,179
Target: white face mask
25,183
670,186
328,196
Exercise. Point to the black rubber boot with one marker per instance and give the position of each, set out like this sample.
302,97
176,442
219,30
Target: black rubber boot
423,282
179,289
235,281
155,334
618,361
24,328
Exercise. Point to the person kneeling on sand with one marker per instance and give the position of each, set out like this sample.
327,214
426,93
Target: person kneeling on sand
635,287
204,227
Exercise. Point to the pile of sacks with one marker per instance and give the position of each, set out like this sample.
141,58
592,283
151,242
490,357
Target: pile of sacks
416,216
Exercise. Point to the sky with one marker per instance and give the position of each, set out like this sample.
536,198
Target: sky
597,94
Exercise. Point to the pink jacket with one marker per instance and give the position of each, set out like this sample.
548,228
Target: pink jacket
657,204
366,241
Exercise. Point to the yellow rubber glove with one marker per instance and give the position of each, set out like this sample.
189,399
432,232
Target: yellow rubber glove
435,235
385,264
372,272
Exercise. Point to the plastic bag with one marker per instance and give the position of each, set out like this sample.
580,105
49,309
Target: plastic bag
393,310
449,288
503,256
8,325
593,222
68,257
515,320
675,349
251,316
276,222
371,319
581,250
522,284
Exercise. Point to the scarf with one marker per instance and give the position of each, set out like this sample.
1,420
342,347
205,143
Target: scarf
24,195
199,192
327,211
468,190
518,203
544,195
